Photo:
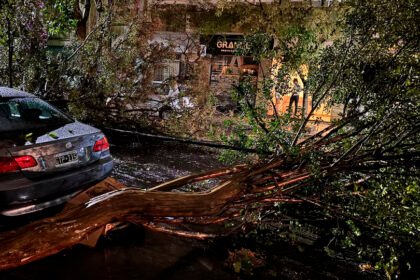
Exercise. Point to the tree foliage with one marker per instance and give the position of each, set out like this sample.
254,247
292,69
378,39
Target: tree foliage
24,30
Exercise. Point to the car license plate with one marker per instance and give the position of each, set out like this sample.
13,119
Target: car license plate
66,158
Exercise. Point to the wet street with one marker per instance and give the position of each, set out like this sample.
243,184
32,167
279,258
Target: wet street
147,163
129,254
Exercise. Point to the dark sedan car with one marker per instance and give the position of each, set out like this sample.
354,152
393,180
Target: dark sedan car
46,157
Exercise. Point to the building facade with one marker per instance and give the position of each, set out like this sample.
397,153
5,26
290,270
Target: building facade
201,40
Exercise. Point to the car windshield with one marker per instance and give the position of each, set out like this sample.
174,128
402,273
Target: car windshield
29,113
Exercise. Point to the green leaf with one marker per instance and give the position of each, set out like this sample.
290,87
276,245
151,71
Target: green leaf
53,135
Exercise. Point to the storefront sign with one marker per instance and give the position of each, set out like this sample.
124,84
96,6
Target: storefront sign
222,44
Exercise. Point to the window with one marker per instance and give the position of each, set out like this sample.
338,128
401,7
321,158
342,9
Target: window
171,19
29,113
165,71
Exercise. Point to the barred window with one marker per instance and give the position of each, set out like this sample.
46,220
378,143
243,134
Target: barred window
166,70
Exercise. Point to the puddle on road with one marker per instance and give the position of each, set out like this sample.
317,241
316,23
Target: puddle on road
131,254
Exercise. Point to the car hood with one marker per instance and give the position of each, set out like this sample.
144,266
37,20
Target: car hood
27,138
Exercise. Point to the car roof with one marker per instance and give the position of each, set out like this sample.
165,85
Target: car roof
11,92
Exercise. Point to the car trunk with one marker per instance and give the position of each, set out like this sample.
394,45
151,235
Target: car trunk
57,150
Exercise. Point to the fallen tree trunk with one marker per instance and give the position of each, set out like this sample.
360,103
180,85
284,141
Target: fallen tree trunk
79,222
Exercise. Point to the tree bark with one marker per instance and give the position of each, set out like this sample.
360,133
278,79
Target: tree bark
10,52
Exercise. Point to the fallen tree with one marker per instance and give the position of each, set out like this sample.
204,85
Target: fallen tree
159,208
149,208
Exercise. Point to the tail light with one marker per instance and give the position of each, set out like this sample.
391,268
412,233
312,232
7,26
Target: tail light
101,145
10,164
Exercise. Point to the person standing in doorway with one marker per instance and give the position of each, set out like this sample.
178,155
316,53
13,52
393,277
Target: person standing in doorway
295,96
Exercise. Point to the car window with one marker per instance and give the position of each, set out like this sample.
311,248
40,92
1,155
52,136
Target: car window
29,113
